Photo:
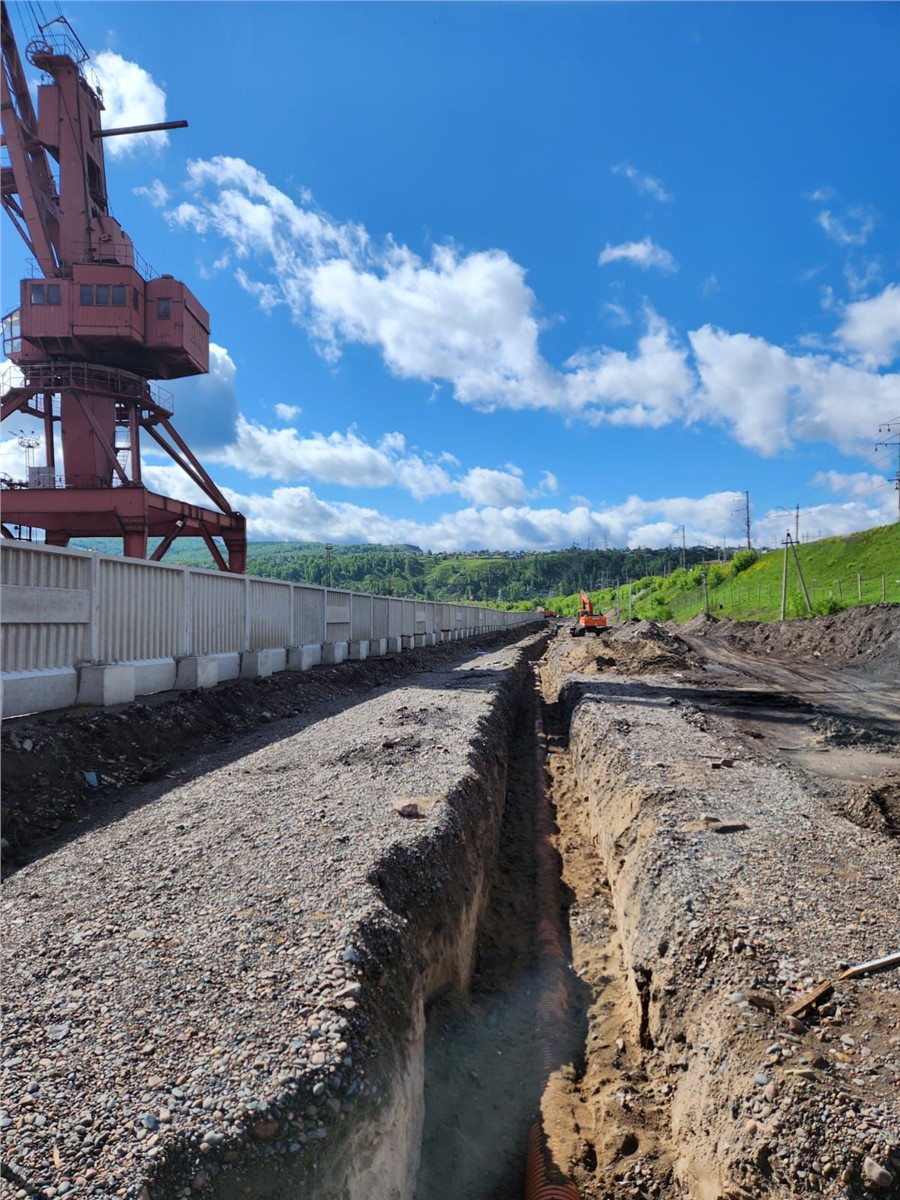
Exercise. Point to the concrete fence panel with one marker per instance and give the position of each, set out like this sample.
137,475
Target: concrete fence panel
409,618
141,610
360,617
218,613
47,607
380,617
309,615
337,616
270,614
395,618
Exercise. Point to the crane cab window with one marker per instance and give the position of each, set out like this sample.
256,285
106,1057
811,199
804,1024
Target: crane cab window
163,309
135,300
102,293
118,295
87,294
45,293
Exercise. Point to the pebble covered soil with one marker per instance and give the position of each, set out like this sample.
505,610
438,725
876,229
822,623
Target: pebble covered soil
735,887
185,983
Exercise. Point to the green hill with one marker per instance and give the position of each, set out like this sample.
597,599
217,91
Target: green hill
508,578
839,572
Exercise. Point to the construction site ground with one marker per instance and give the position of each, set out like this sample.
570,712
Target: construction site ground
728,806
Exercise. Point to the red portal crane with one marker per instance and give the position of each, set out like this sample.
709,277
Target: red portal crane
93,327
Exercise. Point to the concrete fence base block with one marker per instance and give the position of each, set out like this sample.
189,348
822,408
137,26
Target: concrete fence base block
39,690
334,652
256,664
359,650
303,658
432,639
105,684
377,647
228,666
394,645
196,671
406,642
419,640
154,675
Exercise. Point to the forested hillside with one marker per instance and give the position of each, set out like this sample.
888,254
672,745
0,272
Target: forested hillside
481,576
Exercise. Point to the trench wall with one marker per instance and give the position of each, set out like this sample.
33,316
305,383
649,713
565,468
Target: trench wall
84,628
418,943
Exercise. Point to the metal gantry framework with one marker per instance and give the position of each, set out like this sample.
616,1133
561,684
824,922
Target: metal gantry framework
94,326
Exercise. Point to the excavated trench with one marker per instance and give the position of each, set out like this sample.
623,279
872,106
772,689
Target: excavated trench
584,967
697,901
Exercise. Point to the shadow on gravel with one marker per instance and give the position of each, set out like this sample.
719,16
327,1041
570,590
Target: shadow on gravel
735,703
69,772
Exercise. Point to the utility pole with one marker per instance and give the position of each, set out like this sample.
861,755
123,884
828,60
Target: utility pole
683,549
747,510
797,523
892,427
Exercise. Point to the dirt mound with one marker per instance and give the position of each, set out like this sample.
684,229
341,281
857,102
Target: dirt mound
635,648
866,636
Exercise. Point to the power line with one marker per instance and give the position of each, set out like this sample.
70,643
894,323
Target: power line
894,428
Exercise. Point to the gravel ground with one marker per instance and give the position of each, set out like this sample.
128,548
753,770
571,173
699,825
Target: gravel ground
203,979
735,887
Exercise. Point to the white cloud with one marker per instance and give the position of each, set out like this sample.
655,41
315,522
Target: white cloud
422,478
647,184
617,314
768,398
709,286
549,483
862,277
484,486
157,193
827,520
288,412
647,388
643,254
852,228
858,483
470,320
130,97
822,194
298,513
871,328
339,458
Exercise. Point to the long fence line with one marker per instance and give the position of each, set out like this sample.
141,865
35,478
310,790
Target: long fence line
85,628
763,600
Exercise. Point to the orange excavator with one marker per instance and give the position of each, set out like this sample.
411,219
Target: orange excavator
587,619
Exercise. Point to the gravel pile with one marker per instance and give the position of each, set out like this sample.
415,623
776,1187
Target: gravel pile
201,982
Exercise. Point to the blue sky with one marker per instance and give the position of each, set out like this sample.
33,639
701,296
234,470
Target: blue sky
518,276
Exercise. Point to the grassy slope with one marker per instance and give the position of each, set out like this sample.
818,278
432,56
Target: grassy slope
831,568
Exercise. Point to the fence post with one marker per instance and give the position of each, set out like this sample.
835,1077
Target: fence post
840,592
883,589
94,628
859,588
187,616
247,616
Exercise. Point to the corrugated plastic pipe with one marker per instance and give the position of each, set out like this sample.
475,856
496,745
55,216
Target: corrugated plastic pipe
543,1180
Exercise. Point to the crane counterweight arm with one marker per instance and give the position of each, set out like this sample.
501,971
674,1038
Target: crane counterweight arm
31,178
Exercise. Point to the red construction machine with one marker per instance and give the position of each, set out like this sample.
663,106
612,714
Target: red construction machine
587,620
93,327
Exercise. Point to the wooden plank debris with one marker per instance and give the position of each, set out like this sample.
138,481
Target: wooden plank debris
820,992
